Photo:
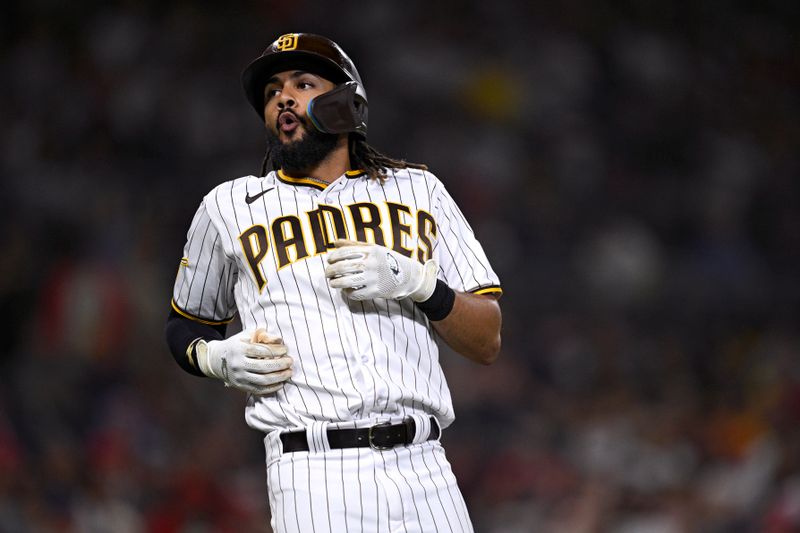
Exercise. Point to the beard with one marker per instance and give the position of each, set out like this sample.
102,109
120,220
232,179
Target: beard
303,154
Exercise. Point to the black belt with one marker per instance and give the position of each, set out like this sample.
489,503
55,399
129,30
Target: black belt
378,437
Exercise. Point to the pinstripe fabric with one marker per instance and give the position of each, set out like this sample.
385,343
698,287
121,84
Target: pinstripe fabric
353,359
257,247
409,489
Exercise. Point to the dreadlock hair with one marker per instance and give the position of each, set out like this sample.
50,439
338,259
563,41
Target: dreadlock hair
363,157
374,163
267,163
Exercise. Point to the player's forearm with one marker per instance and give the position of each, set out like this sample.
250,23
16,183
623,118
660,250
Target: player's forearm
180,333
473,327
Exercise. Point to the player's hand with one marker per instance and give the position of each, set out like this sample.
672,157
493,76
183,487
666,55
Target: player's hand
254,362
365,271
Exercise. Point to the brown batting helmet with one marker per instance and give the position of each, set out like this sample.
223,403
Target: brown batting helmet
341,110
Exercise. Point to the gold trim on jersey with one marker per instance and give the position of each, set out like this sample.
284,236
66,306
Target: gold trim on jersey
493,289
308,181
198,319
313,182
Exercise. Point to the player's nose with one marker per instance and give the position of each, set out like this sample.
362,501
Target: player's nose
286,100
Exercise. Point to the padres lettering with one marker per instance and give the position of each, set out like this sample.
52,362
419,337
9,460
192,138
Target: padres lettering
254,245
295,238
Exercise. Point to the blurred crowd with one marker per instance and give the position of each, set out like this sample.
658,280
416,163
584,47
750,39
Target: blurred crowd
631,170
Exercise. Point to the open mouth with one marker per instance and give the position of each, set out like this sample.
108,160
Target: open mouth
288,122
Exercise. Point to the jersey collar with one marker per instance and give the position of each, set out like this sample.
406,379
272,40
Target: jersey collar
313,182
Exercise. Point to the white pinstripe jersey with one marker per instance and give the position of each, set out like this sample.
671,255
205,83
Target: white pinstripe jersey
257,246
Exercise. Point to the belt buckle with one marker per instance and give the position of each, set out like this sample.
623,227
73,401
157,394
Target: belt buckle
370,436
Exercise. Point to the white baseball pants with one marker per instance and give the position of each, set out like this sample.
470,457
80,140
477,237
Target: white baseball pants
408,489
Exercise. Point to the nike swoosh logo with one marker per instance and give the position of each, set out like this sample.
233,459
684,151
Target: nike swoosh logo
250,199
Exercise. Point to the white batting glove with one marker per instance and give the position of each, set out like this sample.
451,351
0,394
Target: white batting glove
365,271
250,361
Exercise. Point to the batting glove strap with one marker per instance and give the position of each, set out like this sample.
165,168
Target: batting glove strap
427,283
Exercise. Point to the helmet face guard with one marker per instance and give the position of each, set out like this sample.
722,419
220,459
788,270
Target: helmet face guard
341,110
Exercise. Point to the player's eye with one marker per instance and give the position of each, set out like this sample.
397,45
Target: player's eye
304,85
270,93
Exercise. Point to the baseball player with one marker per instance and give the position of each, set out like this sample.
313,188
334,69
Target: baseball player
346,268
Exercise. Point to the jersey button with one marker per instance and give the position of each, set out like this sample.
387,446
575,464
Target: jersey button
364,359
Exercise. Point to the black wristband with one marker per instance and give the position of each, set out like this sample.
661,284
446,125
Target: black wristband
439,305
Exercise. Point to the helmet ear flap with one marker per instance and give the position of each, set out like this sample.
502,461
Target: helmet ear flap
340,110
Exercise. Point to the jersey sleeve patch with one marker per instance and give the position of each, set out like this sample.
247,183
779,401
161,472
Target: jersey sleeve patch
198,319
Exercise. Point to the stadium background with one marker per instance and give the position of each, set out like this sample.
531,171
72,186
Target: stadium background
631,168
